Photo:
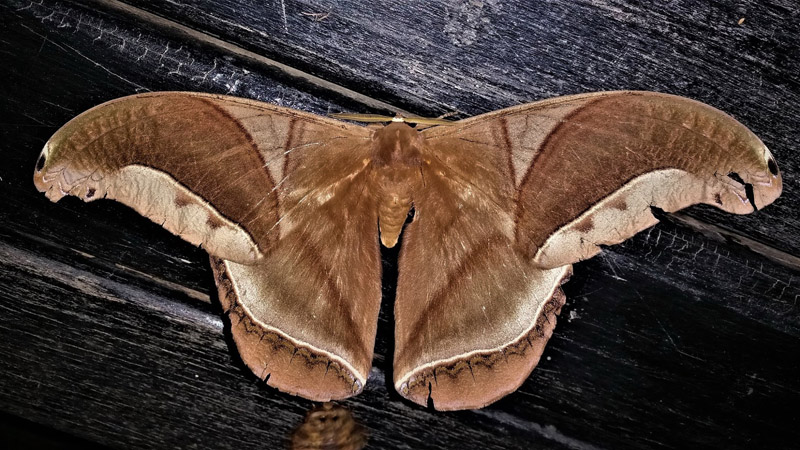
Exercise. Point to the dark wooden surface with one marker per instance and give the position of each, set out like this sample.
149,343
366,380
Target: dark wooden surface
686,336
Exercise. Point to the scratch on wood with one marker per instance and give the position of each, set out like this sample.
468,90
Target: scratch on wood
672,341
283,9
138,86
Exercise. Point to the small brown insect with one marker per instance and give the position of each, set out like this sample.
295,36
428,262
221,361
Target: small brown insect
330,427
316,17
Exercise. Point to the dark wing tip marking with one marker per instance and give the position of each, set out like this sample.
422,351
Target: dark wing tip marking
773,167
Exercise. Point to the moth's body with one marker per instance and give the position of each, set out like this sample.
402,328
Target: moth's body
288,204
397,167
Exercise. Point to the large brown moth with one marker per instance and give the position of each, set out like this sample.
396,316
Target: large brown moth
290,206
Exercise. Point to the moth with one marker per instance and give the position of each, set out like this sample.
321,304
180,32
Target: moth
291,207
329,427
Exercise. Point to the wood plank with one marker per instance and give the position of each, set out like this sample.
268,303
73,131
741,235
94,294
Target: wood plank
110,329
633,357
476,56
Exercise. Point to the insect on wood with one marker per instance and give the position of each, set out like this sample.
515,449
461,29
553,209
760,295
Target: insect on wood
291,207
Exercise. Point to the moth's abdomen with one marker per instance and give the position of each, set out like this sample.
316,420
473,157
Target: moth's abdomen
397,162
392,212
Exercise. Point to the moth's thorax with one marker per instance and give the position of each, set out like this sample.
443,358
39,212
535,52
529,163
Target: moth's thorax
398,145
397,167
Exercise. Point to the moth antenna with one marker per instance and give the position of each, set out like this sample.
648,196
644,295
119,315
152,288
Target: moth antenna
430,121
448,114
366,118
377,118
